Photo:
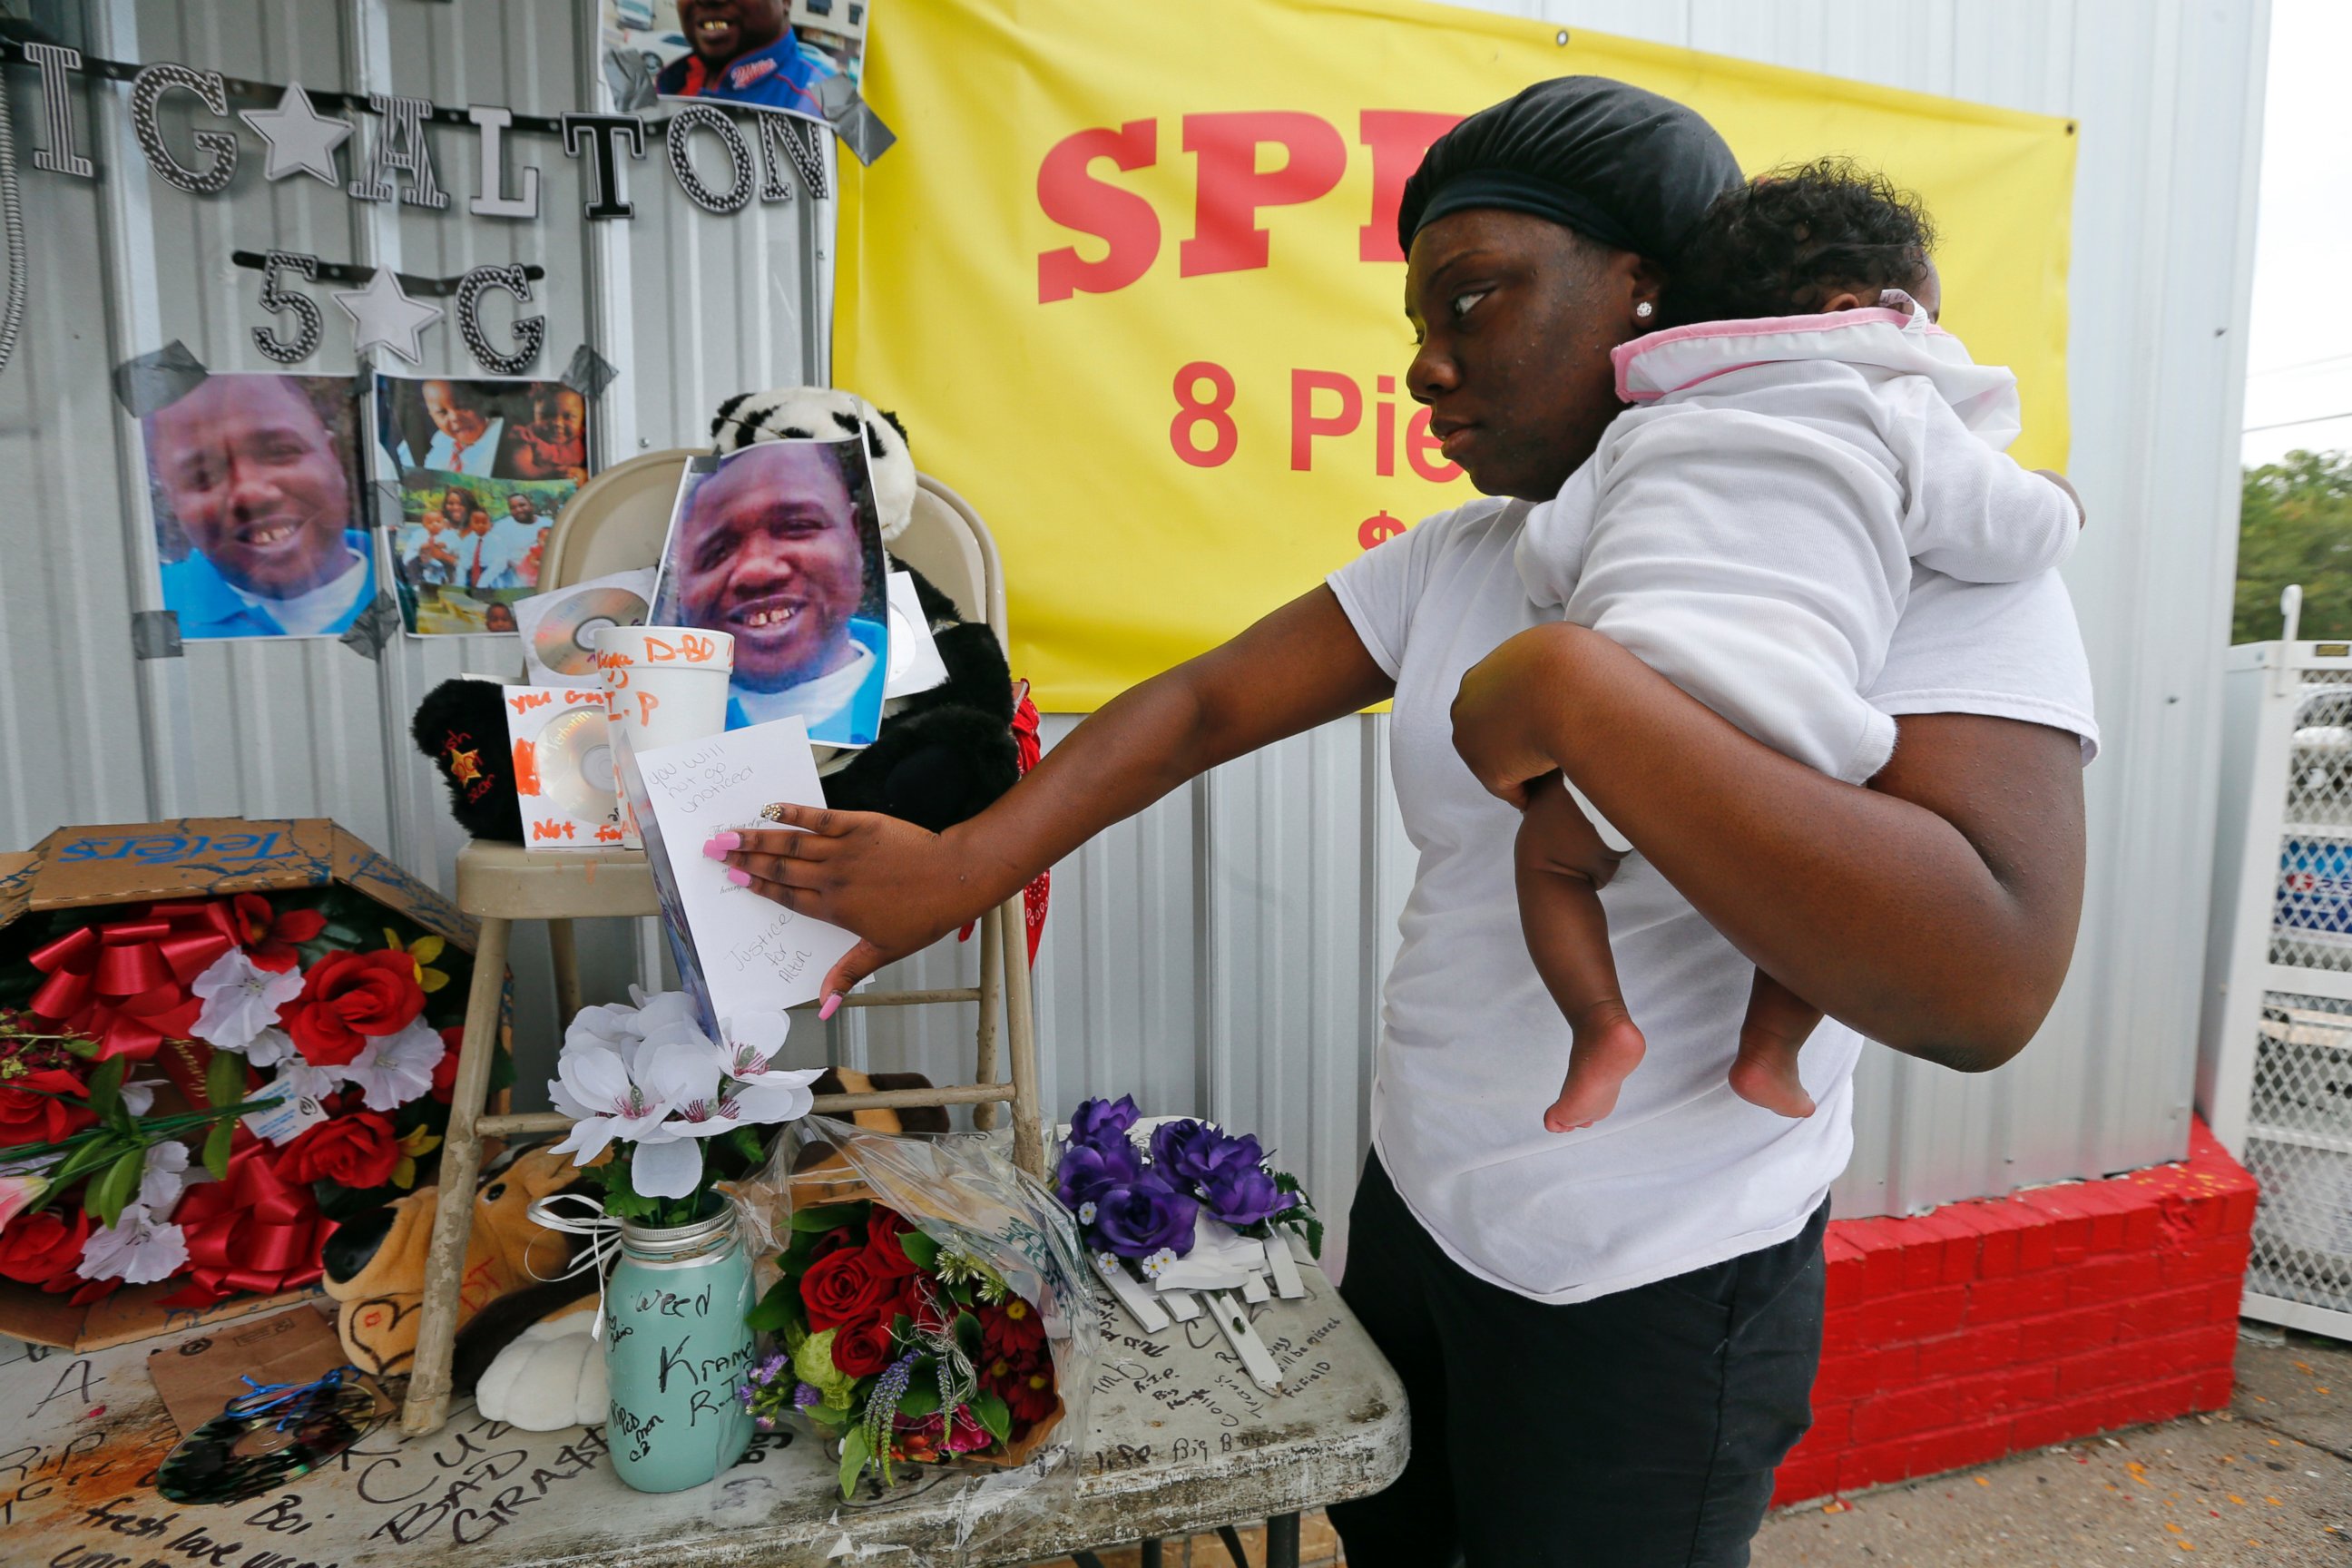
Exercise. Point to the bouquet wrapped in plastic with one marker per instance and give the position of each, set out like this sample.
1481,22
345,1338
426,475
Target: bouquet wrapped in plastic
933,1327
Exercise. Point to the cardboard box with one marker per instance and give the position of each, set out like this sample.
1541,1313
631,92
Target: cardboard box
194,857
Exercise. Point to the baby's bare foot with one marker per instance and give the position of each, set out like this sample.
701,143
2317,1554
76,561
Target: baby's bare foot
1607,1049
1765,1075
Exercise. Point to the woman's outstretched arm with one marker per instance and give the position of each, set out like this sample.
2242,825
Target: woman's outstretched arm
901,887
1934,911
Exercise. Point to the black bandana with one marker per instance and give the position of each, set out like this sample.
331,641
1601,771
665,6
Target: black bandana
1615,164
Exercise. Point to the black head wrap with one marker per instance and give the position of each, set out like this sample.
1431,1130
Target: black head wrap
1615,164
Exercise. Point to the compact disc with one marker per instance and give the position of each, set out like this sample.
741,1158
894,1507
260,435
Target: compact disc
907,640
233,1456
574,754
566,641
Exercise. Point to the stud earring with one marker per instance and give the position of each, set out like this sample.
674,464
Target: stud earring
1644,309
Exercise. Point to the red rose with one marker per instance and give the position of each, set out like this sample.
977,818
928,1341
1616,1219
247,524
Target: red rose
444,1071
840,1288
915,1301
357,1153
349,997
42,1248
884,1256
861,1350
26,1117
833,1241
268,937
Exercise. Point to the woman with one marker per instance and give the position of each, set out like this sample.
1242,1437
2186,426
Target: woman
1608,1339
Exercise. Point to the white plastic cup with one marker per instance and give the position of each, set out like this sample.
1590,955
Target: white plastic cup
663,685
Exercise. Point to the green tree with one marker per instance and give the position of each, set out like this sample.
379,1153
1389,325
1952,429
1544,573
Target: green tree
2294,525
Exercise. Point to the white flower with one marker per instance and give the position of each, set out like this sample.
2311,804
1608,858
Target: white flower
139,1099
138,1248
164,1177
395,1068
298,1079
1087,1212
608,1099
241,999
1159,1263
766,1093
271,1046
608,1026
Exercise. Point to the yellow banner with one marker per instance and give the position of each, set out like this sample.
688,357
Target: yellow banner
1130,277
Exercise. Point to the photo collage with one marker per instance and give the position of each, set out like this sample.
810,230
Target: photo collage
483,467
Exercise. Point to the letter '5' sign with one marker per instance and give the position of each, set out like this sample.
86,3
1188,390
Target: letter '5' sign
1133,273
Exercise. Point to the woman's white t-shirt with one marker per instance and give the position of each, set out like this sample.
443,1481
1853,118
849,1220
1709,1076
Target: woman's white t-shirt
1683,1173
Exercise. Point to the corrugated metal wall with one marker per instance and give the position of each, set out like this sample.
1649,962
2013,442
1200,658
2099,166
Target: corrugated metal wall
1223,952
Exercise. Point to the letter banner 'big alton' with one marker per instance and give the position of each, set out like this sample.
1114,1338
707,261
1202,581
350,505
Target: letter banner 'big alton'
1131,277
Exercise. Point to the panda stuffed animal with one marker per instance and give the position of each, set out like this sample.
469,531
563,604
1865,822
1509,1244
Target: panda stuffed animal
942,755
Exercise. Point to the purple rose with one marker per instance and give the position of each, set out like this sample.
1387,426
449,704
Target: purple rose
1103,1122
1181,1150
1241,1194
1137,1218
1086,1169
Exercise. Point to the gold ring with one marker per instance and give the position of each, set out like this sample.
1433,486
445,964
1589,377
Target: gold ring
774,812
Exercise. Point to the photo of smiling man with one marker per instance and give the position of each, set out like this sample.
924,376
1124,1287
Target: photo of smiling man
255,485
781,547
763,53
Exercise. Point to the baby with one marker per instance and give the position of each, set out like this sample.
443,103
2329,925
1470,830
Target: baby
1801,334
554,445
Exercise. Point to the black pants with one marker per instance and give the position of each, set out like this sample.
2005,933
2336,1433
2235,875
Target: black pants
1638,1430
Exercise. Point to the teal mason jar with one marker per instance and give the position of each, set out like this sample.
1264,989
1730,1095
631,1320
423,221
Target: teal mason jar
676,1349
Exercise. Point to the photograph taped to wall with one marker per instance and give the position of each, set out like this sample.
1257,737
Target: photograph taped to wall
779,545
467,550
259,530
762,54
493,427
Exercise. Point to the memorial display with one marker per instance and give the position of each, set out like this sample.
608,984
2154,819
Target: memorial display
217,1038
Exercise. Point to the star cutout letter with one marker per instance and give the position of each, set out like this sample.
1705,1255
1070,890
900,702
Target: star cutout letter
382,314
301,140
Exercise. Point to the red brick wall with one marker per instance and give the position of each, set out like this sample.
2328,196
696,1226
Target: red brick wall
1984,1329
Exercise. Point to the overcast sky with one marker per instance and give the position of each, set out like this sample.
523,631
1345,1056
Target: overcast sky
2299,362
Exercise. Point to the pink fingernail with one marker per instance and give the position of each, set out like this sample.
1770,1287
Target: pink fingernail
832,1005
741,878
716,846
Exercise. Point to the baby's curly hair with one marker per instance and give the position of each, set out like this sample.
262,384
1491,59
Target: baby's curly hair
1787,241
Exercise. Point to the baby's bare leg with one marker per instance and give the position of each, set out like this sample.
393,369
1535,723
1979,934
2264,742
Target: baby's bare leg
1765,1072
1568,937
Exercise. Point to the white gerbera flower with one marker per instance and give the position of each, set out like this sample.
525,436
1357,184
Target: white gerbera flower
241,999
138,1248
395,1068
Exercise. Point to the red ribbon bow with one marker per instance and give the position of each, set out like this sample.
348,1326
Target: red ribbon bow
254,1231
1031,746
1027,747
124,983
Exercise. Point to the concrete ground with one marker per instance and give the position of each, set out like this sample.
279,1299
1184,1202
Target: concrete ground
2268,1481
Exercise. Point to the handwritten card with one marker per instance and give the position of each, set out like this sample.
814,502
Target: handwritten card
754,954
563,766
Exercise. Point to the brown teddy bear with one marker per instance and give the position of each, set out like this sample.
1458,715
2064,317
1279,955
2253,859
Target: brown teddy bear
375,1265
